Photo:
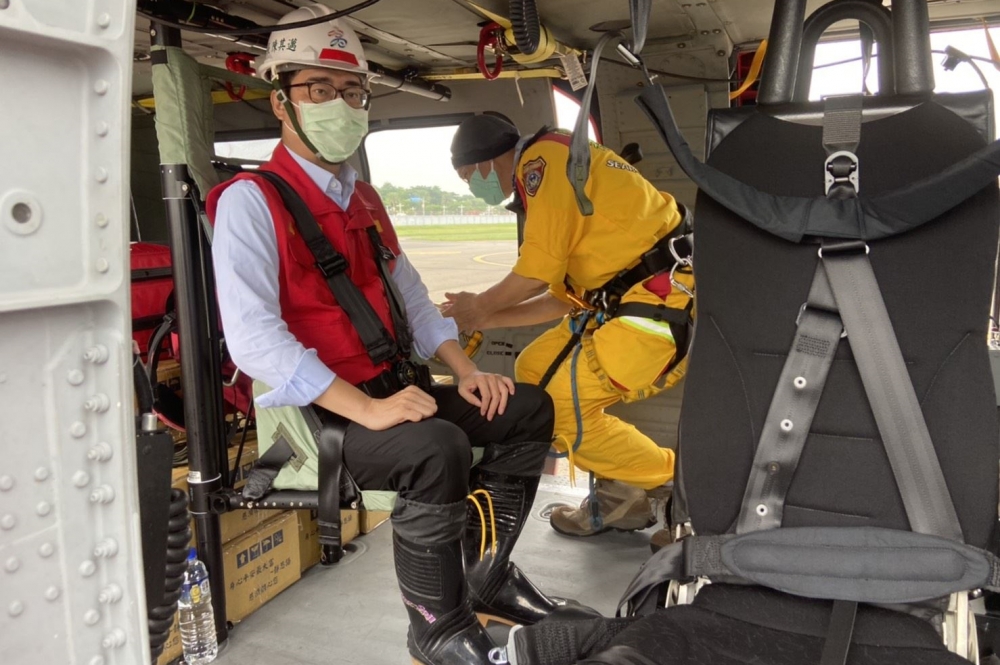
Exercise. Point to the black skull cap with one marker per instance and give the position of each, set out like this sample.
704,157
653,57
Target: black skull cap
482,138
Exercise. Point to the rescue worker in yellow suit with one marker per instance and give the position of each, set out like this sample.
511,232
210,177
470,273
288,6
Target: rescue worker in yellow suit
577,268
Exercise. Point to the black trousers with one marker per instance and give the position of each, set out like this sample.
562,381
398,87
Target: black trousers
429,461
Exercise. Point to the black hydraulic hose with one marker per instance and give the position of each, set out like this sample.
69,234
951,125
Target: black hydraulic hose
143,388
161,618
526,25
156,341
222,31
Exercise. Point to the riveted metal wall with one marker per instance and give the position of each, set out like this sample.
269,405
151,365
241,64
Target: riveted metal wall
69,524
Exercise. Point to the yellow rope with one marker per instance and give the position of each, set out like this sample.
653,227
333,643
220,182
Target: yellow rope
482,528
569,456
754,73
493,522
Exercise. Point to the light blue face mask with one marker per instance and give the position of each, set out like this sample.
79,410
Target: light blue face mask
488,189
335,129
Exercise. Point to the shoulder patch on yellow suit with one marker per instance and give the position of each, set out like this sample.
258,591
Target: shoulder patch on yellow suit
532,172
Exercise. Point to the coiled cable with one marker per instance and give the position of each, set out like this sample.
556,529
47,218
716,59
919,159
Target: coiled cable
526,25
161,618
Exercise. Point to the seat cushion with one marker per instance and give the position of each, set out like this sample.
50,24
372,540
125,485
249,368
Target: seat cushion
730,625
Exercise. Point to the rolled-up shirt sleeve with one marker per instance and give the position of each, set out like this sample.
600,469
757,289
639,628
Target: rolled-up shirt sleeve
245,255
430,329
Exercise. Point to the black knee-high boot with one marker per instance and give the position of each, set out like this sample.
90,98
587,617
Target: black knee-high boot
427,546
500,591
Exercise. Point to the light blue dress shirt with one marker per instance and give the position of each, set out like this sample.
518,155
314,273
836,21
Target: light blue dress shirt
245,255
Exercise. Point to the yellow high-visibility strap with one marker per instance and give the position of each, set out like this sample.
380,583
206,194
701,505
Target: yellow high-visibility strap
754,73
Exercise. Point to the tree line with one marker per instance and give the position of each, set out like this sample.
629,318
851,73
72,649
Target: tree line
426,200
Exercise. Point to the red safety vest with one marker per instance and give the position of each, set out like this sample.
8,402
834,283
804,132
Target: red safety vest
307,304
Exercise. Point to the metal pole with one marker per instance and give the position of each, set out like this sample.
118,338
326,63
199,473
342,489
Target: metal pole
197,357
199,363
777,84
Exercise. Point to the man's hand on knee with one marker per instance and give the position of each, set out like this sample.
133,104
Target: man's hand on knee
487,391
411,404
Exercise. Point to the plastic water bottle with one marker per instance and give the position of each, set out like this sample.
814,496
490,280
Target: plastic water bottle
196,618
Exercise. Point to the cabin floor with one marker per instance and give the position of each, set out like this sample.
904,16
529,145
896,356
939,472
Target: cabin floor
350,613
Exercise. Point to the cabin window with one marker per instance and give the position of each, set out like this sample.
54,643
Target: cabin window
456,241
838,66
567,110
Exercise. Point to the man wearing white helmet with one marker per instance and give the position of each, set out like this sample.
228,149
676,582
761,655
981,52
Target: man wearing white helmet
346,352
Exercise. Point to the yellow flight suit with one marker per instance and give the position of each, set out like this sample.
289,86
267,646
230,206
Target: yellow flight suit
624,358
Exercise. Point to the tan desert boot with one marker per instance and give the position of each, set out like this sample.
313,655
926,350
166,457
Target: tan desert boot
620,507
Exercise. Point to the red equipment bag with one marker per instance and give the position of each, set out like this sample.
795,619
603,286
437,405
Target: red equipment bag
152,283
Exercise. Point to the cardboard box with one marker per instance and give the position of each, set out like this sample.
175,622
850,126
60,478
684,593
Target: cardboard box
371,519
261,564
168,371
309,550
172,647
243,597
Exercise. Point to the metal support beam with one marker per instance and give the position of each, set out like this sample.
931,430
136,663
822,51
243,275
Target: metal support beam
201,375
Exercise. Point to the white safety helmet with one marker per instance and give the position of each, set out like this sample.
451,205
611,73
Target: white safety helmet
333,45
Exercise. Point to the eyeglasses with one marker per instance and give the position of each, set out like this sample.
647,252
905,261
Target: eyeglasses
320,91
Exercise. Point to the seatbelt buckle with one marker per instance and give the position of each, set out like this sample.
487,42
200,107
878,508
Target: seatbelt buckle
841,170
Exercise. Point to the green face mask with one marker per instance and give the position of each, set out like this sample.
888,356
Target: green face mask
334,128
488,189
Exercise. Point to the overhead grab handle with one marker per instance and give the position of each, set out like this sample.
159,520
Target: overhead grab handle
876,17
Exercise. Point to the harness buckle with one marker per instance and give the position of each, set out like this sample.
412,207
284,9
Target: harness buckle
802,310
382,350
331,266
841,170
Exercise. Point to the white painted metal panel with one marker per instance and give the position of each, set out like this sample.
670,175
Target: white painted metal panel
69,524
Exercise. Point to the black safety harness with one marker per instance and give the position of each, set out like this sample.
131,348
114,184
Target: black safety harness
328,429
671,254
378,341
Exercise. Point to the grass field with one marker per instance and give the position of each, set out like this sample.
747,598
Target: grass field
459,232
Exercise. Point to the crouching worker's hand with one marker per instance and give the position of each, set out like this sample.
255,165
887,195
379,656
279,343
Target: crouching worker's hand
487,391
409,405
465,308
